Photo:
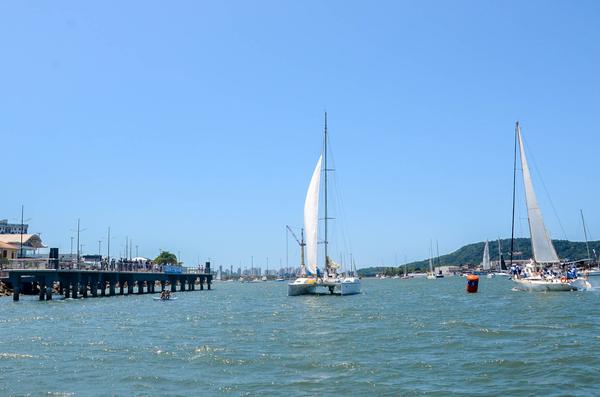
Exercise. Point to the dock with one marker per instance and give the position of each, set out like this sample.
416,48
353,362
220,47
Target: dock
75,283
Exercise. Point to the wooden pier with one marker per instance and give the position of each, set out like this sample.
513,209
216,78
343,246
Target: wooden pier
94,283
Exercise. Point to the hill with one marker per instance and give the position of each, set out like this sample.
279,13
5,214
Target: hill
473,253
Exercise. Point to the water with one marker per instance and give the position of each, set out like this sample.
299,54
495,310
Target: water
400,337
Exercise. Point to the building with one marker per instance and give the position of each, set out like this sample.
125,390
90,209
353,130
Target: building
7,251
12,228
447,270
26,242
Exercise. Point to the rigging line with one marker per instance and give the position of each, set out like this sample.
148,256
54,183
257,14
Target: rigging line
539,174
338,201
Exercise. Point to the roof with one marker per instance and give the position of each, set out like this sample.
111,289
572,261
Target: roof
29,240
7,246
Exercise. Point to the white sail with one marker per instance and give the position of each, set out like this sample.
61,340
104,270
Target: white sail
311,218
485,263
541,244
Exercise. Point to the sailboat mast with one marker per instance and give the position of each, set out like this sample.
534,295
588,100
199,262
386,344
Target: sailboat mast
325,242
587,245
499,267
512,233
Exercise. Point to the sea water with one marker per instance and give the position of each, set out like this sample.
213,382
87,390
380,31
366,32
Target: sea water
399,337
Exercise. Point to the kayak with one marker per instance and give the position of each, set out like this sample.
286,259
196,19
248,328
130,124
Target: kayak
157,298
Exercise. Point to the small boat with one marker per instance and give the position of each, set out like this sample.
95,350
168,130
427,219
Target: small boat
158,298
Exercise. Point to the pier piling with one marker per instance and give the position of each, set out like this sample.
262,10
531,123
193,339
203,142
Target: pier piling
85,283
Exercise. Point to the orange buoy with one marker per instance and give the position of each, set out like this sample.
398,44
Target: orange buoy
472,283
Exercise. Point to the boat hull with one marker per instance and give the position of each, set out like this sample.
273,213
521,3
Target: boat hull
350,286
537,285
301,289
347,286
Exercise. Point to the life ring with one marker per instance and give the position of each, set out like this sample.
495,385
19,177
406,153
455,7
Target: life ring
563,280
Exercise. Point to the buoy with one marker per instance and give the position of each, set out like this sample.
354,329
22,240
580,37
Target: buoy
472,283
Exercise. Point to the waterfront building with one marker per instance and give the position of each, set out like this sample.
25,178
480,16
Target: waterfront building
447,270
26,242
7,251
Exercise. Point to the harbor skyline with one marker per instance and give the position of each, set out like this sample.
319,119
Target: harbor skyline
193,131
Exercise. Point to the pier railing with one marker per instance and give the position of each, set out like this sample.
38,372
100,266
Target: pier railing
117,266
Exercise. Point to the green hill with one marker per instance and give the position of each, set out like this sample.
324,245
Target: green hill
472,254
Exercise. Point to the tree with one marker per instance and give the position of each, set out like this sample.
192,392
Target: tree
166,257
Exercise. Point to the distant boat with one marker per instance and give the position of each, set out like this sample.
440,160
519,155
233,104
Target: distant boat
486,262
311,278
536,276
501,270
431,275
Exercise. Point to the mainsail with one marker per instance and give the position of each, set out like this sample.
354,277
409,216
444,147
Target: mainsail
541,244
311,218
485,264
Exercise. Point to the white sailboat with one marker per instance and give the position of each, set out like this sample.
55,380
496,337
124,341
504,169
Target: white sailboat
536,278
311,278
430,274
486,264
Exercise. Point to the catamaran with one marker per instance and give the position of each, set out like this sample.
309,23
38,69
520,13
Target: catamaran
312,279
539,274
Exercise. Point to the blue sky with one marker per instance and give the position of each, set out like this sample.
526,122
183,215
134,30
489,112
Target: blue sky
195,126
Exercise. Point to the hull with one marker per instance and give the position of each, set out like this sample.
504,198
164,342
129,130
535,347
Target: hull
537,285
350,286
302,286
307,286
297,289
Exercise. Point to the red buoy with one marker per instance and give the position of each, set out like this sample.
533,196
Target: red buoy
472,283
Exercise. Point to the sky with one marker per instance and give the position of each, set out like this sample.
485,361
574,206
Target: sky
194,127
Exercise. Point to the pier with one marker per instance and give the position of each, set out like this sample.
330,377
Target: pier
99,283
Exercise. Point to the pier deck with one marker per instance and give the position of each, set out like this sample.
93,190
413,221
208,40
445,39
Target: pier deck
94,283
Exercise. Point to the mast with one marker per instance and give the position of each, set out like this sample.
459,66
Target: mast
499,267
512,233
587,246
431,256
325,242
